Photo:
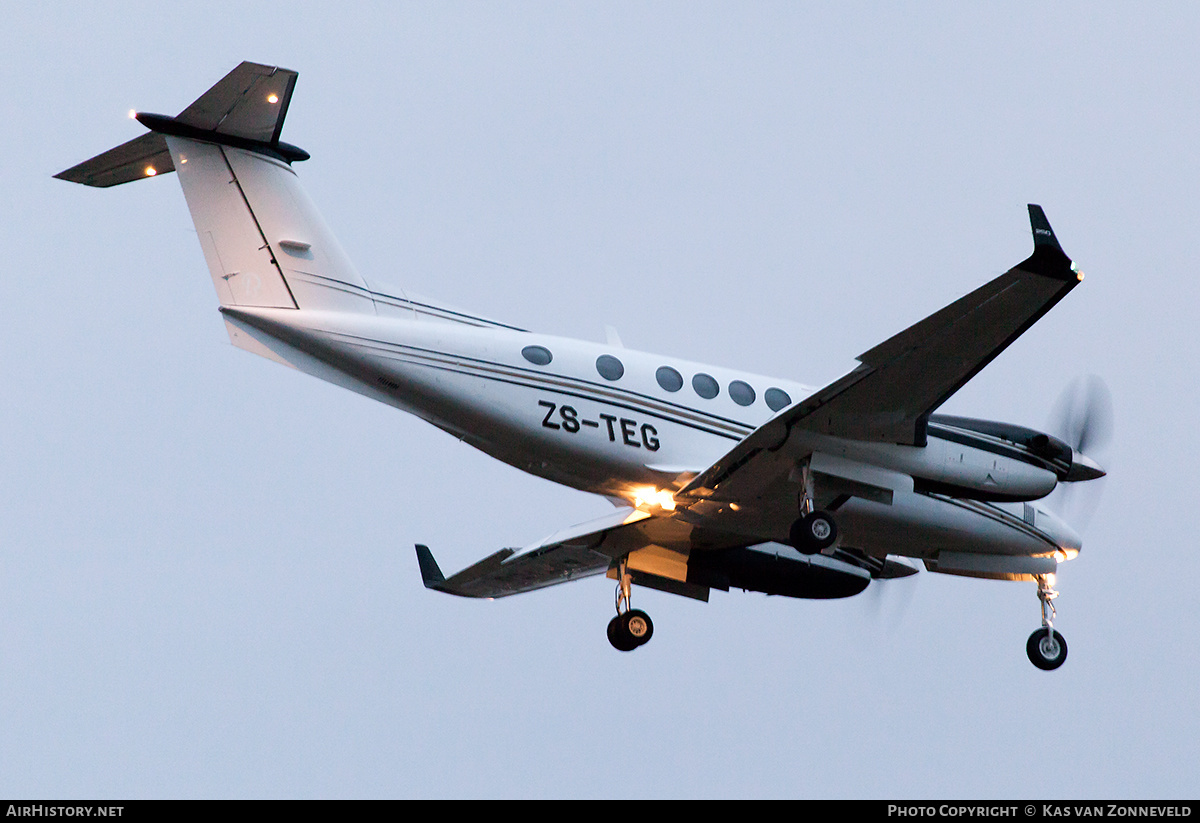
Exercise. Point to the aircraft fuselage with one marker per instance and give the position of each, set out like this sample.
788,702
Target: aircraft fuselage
565,421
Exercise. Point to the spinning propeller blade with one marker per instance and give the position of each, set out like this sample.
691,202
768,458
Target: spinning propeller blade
1083,419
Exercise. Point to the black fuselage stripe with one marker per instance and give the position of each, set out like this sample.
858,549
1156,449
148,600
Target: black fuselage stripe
567,380
630,400
572,393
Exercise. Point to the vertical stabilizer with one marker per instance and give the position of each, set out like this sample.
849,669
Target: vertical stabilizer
244,270
265,243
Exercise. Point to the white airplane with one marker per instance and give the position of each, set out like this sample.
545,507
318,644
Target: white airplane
721,479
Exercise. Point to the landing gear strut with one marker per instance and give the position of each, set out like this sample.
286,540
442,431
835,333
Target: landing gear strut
631,627
815,530
1047,649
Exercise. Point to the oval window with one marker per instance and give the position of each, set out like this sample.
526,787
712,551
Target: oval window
777,399
537,355
705,386
610,368
741,392
668,378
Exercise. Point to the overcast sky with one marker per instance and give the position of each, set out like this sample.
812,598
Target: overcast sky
207,582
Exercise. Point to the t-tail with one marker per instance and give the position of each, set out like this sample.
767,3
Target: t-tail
265,243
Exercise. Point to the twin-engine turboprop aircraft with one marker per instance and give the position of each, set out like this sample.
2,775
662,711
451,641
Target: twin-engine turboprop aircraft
721,479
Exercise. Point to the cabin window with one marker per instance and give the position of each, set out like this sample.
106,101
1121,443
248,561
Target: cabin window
777,399
705,386
741,392
668,378
610,368
537,355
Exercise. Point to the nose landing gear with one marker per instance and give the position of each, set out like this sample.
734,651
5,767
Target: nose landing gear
1047,649
631,627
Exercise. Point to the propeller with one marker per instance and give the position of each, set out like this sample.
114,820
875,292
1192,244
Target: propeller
1083,415
1083,419
898,594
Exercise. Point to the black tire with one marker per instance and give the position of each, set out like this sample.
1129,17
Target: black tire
638,626
1045,653
619,636
813,532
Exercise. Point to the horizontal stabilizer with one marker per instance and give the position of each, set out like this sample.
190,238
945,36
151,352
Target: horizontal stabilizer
250,102
145,156
246,110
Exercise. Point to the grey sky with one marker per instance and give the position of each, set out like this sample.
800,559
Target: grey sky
207,584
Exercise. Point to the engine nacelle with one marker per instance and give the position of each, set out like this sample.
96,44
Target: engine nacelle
993,461
972,472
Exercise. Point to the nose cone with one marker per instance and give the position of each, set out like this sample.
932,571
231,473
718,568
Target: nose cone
1083,468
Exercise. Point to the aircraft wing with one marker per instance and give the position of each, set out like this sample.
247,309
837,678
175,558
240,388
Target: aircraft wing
582,551
900,382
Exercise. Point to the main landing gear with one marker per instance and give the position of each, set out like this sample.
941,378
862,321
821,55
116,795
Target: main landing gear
631,627
815,530
1047,649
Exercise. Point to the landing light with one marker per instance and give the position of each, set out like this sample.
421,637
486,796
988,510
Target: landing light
272,98
649,496
151,171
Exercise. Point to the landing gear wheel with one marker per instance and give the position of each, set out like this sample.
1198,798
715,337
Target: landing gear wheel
629,630
619,636
813,532
1046,650
637,624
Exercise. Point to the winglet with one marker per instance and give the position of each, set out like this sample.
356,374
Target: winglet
1048,258
461,583
431,575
